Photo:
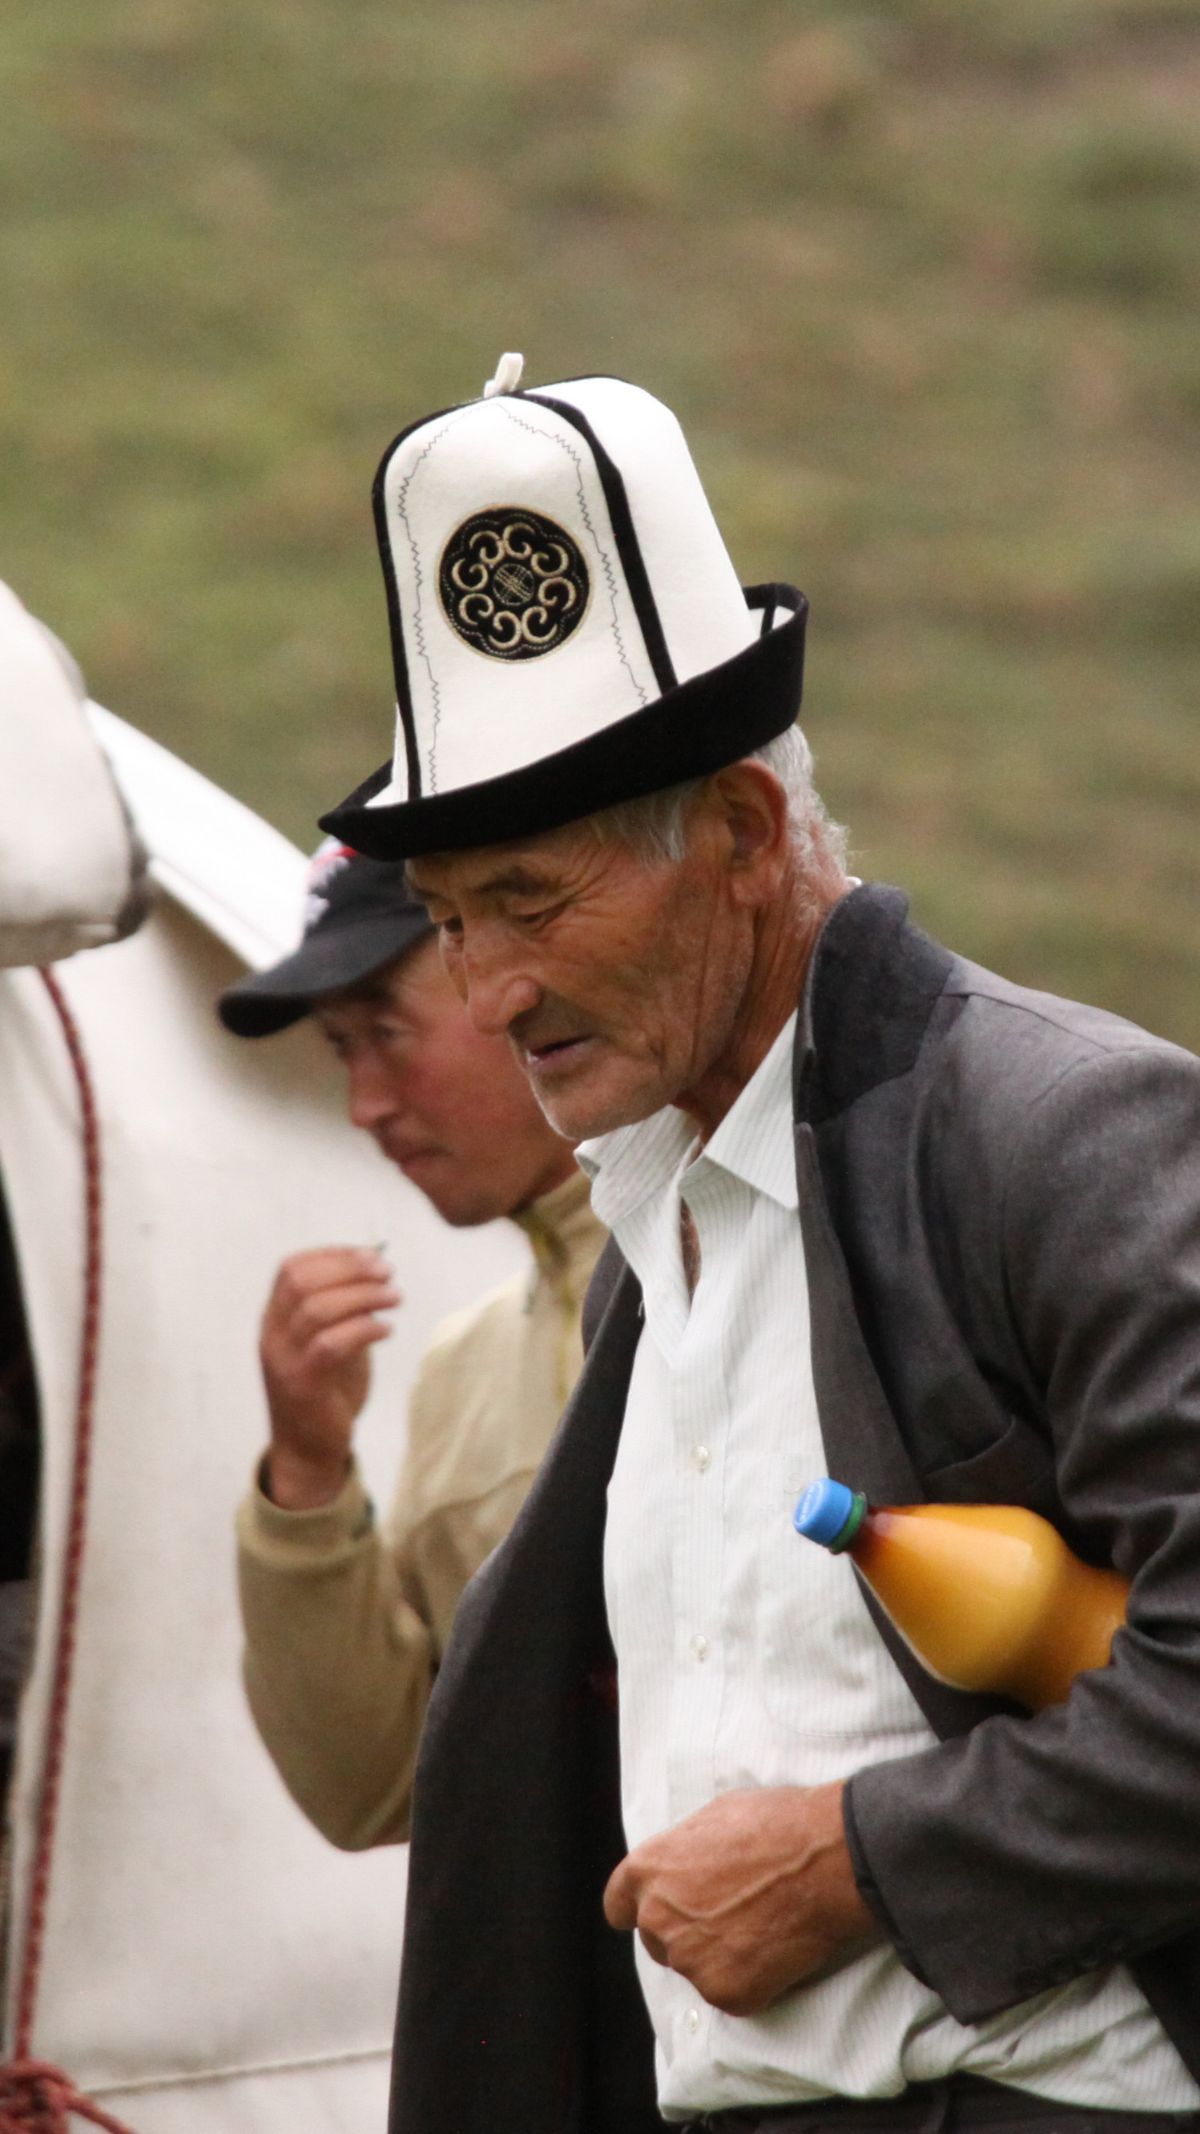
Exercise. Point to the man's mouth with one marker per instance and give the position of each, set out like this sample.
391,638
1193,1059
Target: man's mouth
554,1053
404,1153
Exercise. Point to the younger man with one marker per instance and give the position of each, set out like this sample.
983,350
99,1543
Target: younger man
344,1627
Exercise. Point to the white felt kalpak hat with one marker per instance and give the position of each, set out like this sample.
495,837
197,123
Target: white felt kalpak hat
567,628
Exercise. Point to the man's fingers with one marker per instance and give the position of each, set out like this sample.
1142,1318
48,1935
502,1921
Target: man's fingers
622,1900
333,1306
335,1343
620,1897
324,1267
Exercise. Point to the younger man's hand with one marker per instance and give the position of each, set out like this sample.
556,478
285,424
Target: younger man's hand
321,1319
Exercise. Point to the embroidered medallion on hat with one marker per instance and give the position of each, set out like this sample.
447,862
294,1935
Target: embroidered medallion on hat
568,630
513,584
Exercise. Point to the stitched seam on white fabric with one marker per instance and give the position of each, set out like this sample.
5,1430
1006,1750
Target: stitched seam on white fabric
418,624
610,576
144,2083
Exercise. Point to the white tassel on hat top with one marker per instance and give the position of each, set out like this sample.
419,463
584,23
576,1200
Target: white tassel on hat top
507,376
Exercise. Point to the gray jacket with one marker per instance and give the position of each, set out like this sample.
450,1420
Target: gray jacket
1000,1200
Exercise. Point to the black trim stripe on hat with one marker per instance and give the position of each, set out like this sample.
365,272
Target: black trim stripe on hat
637,578
697,728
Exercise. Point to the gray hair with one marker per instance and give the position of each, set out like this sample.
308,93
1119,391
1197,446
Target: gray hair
655,826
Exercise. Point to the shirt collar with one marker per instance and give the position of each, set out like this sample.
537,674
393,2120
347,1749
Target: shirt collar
636,1163
754,1140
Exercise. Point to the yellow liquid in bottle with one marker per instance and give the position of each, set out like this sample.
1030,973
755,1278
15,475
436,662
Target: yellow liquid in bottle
990,1597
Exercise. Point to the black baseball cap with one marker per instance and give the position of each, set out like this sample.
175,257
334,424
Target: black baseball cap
358,916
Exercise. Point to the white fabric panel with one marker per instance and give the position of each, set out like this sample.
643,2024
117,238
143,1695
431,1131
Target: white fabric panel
66,859
218,859
197,1925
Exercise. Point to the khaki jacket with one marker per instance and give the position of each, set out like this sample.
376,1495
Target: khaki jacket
345,1624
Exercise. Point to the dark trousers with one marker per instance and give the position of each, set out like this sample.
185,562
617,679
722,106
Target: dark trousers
962,2102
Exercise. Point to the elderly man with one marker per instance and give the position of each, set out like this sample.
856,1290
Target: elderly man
344,1627
875,1210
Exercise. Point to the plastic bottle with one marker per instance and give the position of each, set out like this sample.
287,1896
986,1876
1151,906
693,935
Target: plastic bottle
988,1596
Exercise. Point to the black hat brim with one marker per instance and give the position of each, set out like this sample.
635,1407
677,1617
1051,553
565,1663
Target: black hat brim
327,961
689,732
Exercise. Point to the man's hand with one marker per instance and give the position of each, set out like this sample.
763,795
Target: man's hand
748,1897
320,1320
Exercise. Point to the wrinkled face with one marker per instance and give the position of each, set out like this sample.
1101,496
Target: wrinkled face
615,978
447,1104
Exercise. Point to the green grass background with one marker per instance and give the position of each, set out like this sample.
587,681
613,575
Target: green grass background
920,278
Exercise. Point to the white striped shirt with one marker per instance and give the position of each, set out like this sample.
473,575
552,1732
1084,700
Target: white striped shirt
746,1656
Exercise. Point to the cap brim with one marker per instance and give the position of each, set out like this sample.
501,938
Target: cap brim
325,962
691,731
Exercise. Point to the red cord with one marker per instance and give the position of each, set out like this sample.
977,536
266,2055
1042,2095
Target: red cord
36,2098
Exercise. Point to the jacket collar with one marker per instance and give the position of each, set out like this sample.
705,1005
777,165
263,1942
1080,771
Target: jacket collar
871,987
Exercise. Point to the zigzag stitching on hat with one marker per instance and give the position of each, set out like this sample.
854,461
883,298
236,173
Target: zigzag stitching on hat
417,622
601,551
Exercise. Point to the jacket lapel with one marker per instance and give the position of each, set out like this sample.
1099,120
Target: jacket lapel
871,986
862,1444
518,2005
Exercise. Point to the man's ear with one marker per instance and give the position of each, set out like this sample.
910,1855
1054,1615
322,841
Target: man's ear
755,811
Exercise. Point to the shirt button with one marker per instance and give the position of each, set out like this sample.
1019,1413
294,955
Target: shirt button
701,1458
691,2021
700,1646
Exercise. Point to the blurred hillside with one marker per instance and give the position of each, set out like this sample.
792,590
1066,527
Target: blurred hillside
921,281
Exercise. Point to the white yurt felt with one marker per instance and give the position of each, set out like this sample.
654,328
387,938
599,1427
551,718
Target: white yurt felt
208,1961
69,862
568,630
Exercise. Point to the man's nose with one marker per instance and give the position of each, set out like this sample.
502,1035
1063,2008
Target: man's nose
370,1093
496,990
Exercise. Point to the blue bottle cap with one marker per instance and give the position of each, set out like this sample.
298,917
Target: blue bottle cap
825,1511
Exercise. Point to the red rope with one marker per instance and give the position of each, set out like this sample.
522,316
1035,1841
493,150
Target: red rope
36,2098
